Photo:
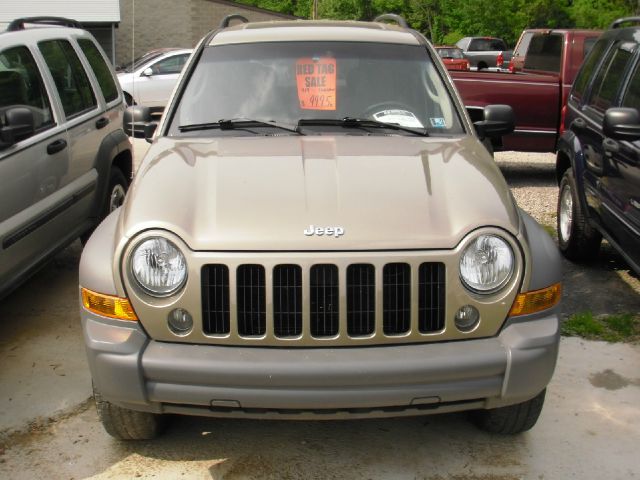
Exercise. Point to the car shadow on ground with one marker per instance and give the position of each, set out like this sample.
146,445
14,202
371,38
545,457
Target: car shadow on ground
529,174
604,286
271,449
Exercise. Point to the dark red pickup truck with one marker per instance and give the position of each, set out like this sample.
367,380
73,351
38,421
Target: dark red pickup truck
538,93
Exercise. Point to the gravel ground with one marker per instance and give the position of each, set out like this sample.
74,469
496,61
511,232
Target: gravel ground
532,179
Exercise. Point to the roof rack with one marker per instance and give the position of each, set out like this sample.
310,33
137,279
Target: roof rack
234,16
18,23
620,21
392,16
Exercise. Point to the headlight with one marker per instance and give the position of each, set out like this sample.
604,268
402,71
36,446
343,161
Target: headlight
158,267
486,264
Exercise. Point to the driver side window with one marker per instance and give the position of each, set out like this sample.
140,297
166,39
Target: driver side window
632,96
22,86
170,65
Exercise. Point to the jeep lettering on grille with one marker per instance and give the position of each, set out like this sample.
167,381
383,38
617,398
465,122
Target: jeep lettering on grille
321,231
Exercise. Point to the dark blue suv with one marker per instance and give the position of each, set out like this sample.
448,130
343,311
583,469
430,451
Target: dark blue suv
598,163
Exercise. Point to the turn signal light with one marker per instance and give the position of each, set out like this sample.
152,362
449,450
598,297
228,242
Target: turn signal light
536,300
108,306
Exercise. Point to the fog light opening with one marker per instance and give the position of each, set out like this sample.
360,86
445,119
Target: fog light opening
180,322
467,318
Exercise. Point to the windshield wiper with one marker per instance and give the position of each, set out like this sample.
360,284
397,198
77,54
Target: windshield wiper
239,123
364,123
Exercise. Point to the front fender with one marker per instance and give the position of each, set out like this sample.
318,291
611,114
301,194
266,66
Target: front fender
97,260
112,145
570,147
545,263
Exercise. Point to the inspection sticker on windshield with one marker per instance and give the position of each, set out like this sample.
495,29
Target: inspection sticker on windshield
438,122
404,118
316,79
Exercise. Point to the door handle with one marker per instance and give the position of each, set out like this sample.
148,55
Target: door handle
102,122
57,146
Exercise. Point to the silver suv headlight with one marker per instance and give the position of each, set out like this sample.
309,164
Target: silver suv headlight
158,266
486,264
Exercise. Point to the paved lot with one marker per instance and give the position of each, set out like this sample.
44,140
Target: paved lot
590,427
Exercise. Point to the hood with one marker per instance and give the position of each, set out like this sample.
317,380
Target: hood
296,193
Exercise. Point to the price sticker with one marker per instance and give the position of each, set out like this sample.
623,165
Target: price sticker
316,81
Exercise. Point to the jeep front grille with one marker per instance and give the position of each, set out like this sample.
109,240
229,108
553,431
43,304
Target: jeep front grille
431,297
396,294
325,300
361,302
287,300
251,300
215,299
271,301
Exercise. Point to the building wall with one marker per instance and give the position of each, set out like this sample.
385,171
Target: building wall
173,23
148,24
206,15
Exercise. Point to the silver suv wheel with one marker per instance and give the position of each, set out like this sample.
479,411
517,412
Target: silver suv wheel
116,197
565,213
576,238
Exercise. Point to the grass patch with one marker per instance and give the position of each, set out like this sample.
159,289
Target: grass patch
551,230
623,327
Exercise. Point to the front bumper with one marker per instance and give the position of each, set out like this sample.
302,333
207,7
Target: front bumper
135,372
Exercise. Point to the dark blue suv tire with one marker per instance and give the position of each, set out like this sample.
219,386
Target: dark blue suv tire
576,238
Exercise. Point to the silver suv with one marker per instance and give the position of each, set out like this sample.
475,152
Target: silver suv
318,232
65,161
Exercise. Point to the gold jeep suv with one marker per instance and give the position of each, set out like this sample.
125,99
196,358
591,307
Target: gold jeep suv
318,232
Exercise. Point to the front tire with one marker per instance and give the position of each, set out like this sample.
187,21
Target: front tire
116,191
577,240
512,419
125,424
114,197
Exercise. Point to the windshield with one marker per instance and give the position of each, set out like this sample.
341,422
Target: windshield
450,53
293,81
487,45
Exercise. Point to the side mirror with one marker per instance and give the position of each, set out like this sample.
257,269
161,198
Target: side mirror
498,120
19,124
622,124
136,120
147,72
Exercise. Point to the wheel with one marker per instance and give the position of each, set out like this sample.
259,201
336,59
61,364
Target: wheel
125,424
116,192
576,238
512,419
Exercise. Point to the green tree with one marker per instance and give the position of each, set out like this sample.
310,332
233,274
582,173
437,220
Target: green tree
600,13
446,21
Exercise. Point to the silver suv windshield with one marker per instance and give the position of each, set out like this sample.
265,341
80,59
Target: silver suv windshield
297,83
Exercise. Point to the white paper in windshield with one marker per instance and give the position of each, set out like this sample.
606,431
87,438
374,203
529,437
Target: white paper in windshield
404,118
